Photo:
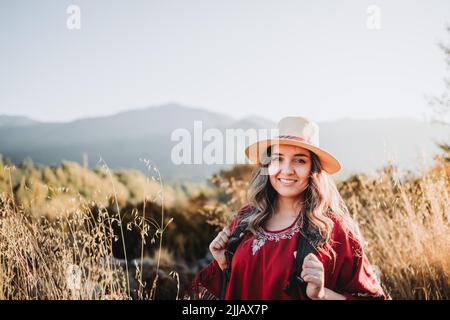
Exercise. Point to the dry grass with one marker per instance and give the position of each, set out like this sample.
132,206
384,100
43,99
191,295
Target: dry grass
71,255
405,221
406,225
68,258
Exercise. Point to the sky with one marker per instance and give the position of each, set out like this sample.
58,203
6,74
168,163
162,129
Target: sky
318,59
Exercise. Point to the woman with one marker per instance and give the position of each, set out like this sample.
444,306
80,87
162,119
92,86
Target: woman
291,196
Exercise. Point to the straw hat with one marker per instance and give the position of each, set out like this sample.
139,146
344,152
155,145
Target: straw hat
296,131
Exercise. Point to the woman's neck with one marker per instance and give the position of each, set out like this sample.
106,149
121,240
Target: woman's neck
288,206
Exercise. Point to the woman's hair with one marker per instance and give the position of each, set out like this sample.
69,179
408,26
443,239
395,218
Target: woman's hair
322,205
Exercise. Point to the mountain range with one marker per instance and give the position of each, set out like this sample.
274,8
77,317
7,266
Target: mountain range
122,139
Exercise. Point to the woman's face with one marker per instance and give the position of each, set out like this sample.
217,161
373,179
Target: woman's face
289,169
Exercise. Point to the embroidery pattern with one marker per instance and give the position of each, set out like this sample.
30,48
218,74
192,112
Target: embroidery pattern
263,236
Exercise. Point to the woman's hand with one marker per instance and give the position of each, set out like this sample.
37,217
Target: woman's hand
313,275
217,247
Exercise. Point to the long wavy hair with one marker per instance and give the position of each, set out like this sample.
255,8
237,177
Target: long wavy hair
322,204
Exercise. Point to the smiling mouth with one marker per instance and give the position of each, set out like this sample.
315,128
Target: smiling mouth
287,181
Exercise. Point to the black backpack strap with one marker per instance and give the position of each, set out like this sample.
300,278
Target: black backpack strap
230,248
304,248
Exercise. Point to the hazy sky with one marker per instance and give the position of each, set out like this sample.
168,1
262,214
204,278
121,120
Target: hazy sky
270,58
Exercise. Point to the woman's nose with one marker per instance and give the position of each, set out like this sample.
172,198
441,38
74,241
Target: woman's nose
286,168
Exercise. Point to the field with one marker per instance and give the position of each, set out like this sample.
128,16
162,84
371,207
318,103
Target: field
68,232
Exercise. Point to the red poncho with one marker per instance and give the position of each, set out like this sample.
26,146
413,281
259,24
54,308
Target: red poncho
263,263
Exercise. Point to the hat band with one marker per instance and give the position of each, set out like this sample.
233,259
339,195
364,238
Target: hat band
293,138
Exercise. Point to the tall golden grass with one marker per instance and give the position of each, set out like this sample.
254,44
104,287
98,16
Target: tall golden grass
407,228
71,256
404,219
68,258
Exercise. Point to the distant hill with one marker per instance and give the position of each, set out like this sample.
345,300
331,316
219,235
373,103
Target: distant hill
123,138
367,145
15,121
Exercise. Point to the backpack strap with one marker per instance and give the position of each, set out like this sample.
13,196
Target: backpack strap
304,248
230,248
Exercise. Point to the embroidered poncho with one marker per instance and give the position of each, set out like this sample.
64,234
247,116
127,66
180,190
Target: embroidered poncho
263,263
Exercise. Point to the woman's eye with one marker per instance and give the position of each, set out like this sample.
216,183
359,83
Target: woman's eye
276,159
300,161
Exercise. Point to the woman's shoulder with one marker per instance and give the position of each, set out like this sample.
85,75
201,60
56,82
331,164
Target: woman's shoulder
343,235
340,229
244,211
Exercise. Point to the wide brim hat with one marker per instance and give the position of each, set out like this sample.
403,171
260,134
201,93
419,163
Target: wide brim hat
295,131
